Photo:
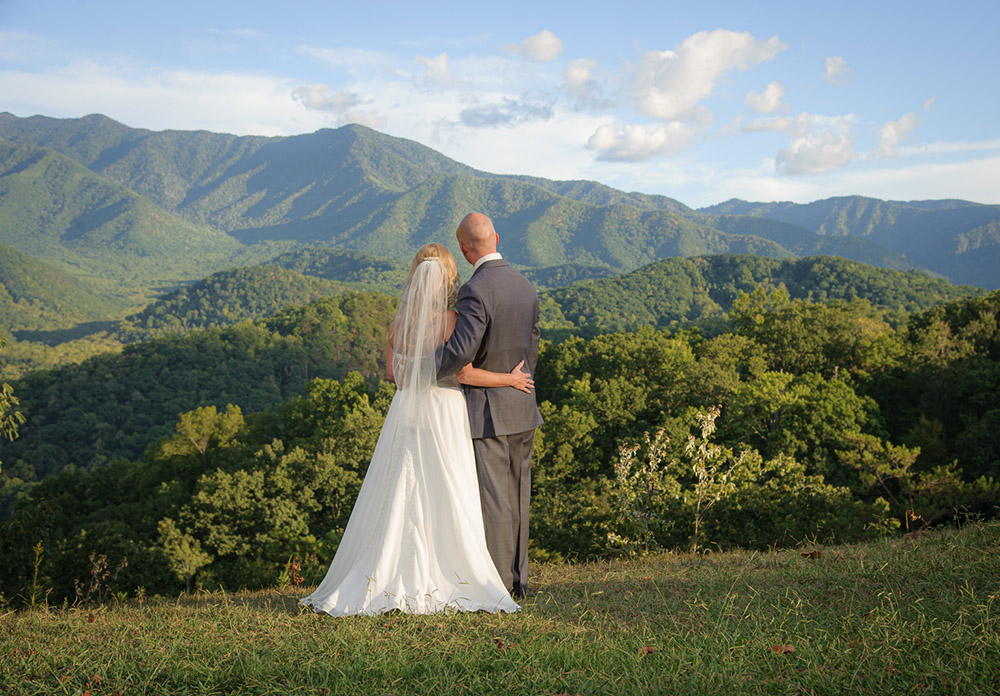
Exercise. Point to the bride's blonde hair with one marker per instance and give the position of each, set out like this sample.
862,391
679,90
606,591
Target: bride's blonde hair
438,251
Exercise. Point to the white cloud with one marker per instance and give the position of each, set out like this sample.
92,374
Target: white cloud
635,143
319,96
543,47
436,69
892,134
769,100
796,126
508,112
837,70
578,76
582,86
224,102
817,152
929,103
819,143
340,103
670,84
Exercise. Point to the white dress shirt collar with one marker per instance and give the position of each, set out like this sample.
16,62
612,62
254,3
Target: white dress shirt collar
483,259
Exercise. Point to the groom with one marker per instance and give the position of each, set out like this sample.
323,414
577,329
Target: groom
497,328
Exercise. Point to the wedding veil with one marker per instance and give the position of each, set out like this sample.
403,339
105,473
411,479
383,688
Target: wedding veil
418,330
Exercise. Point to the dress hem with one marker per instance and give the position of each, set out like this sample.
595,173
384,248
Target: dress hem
443,609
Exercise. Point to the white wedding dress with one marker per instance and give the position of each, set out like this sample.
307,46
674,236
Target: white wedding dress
415,540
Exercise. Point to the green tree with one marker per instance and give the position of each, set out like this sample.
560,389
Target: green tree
803,416
10,417
886,468
801,336
713,468
183,553
202,428
641,486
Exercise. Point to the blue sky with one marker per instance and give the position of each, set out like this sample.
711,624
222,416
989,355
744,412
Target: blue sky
762,101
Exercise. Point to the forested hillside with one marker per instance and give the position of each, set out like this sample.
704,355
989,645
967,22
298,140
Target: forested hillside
34,296
828,422
227,298
222,299
91,228
588,299
702,290
344,265
115,405
254,364
580,299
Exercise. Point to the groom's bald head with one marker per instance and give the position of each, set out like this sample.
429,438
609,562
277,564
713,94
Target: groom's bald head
476,236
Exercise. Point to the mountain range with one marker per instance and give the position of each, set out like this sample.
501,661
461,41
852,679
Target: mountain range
958,239
130,213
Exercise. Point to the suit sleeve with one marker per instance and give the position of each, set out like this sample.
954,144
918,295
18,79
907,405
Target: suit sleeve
470,327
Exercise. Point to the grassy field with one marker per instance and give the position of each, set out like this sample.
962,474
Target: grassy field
916,615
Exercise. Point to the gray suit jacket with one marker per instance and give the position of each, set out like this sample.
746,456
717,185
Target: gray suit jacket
497,327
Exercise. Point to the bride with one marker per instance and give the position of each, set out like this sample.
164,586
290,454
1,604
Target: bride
415,539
